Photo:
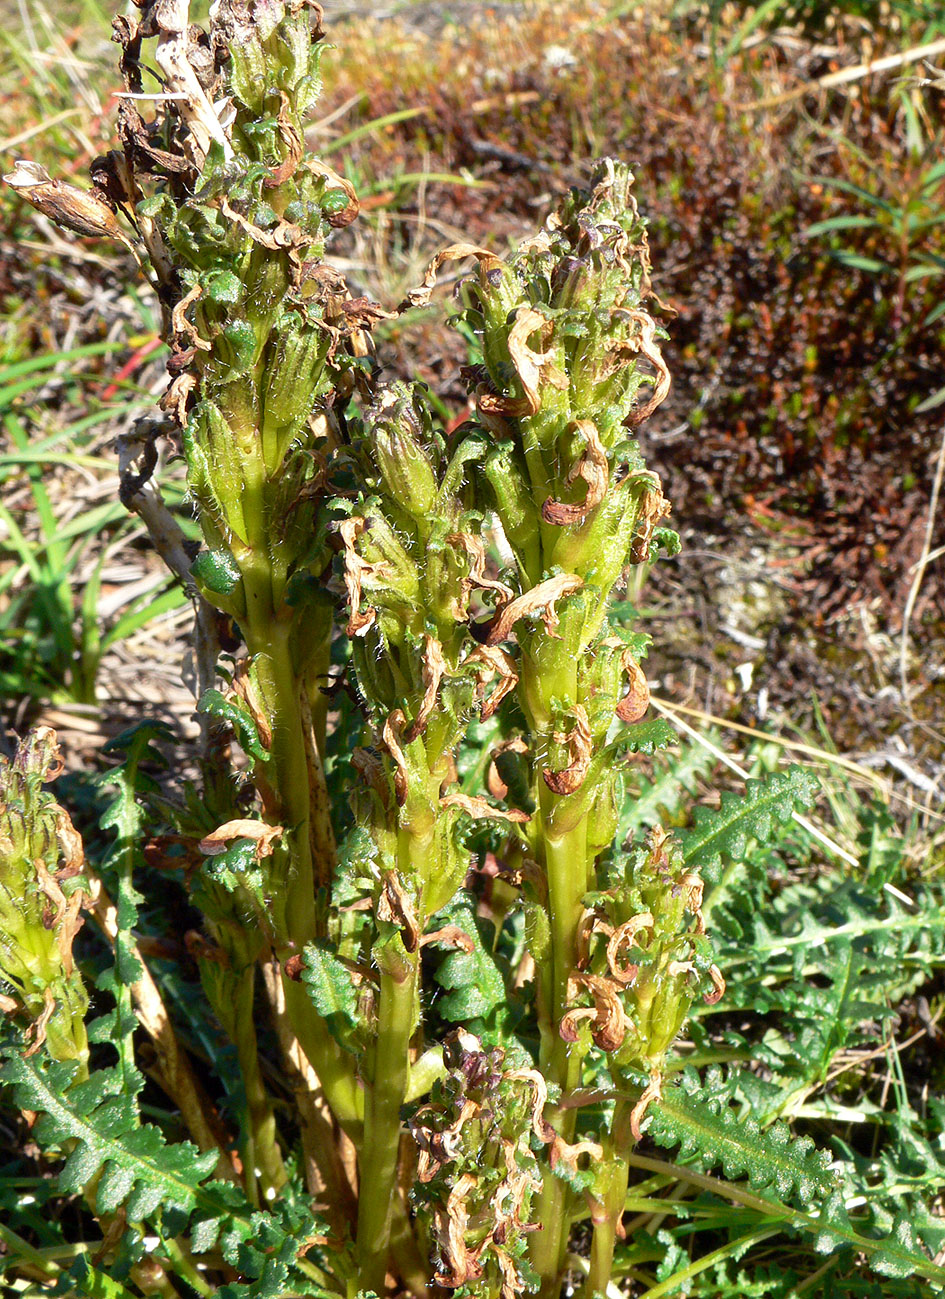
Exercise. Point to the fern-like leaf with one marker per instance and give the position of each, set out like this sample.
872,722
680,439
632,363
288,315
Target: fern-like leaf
726,831
779,1167
705,1125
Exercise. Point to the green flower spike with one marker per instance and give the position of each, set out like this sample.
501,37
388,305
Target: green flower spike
42,892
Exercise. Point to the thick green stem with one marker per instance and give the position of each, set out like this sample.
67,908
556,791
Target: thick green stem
382,1128
608,1204
262,1158
567,867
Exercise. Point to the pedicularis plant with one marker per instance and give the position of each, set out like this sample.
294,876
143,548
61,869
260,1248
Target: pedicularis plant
450,987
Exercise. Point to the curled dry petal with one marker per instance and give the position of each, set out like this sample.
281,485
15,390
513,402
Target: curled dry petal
541,598
391,735
694,890
609,1021
368,766
543,1131
625,935
579,744
259,832
294,147
532,366
246,689
75,209
651,1092
64,913
595,471
395,907
70,845
718,991
36,1033
420,296
348,213
494,782
480,810
433,668
636,701
476,550
182,327
463,1263
283,235
355,571
653,507
495,662
646,344
450,936
561,1151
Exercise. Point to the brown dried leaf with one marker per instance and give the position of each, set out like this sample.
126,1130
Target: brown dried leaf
544,596
593,468
480,810
262,834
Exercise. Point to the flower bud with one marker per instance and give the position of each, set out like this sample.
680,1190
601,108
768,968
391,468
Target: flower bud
401,451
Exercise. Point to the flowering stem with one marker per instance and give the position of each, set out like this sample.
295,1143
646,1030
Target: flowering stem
607,1206
382,1128
262,1159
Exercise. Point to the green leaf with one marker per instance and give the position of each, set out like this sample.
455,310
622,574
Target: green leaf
726,831
130,1155
235,715
472,980
217,571
332,991
708,1126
